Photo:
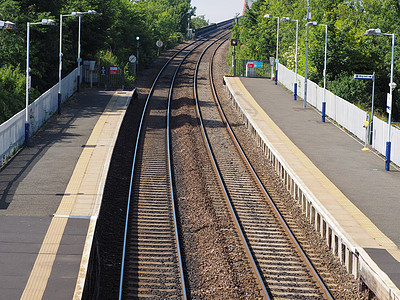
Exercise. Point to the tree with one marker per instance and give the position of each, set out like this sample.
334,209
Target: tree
349,51
111,32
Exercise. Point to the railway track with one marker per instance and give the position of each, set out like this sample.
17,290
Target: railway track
284,269
152,265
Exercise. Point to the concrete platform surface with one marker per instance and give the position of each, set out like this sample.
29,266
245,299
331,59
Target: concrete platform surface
50,194
350,185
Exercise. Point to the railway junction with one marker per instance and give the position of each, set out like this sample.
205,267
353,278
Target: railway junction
54,192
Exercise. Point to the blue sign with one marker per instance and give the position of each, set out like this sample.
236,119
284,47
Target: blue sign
364,77
258,64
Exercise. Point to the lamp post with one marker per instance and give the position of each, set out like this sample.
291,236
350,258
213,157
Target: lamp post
392,86
311,24
137,53
306,67
277,47
286,19
73,14
79,14
44,22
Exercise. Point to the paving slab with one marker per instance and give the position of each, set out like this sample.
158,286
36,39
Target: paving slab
361,198
41,253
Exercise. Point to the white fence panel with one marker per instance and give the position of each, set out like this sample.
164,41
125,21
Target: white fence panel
395,151
12,132
344,113
379,135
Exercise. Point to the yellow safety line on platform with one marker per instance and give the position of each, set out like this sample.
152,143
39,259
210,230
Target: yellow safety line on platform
42,268
111,128
359,216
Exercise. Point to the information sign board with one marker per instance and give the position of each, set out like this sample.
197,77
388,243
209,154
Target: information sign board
389,103
364,77
113,70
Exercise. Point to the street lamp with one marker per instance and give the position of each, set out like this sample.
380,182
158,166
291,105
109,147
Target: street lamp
44,22
137,53
73,14
277,47
311,24
286,19
79,14
392,86
7,25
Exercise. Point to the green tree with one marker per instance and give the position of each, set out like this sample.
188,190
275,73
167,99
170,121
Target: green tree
198,22
108,35
349,51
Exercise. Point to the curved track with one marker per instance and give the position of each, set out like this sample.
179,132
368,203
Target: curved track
152,265
286,271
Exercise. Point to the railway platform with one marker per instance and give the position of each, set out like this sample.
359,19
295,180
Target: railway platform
345,192
50,195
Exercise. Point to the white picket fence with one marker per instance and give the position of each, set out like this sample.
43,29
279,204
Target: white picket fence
344,113
12,132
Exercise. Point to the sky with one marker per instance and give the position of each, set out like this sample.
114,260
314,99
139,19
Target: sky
218,10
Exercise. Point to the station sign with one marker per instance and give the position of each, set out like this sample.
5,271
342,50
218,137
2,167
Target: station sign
363,77
389,103
113,70
250,64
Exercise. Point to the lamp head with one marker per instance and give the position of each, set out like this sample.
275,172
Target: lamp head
373,32
92,12
48,22
286,19
268,16
311,24
7,25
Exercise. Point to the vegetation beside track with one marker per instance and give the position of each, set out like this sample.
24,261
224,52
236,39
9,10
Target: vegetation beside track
349,50
109,37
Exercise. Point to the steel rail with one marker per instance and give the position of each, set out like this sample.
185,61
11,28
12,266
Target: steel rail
249,254
276,211
169,151
134,164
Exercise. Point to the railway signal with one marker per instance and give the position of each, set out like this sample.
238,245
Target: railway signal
234,44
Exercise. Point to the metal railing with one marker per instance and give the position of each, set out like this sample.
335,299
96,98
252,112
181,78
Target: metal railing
252,68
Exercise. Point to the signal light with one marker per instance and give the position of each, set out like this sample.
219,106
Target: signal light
233,42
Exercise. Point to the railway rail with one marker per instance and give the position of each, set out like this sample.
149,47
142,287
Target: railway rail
152,264
281,265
